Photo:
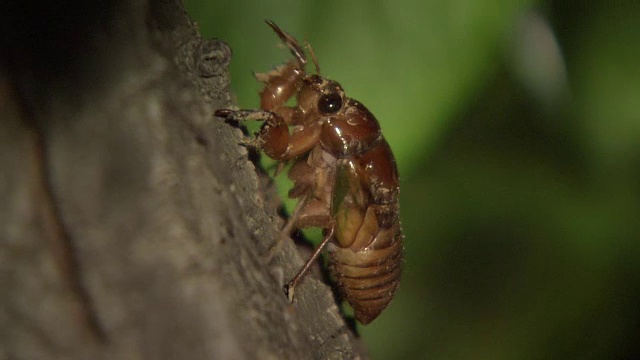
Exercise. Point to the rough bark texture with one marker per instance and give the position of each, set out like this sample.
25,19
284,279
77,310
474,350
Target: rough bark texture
132,225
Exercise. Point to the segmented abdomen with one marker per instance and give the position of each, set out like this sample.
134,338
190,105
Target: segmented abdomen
369,277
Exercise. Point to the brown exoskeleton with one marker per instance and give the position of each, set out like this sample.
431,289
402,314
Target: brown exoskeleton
344,175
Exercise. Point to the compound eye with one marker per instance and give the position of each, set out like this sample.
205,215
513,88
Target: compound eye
329,103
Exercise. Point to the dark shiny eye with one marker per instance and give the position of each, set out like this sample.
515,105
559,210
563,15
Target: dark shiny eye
329,103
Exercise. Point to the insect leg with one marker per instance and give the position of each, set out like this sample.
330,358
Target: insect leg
286,230
290,287
240,115
273,137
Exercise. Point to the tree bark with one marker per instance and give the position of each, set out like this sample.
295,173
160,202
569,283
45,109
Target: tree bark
133,225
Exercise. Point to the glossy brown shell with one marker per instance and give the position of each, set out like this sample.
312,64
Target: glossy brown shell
344,175
369,277
366,266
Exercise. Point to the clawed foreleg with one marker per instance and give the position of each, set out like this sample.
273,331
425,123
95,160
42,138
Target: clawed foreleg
242,115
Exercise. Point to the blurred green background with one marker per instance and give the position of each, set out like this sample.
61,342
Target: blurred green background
516,127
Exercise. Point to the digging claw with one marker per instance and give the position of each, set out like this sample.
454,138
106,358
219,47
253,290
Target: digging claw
289,289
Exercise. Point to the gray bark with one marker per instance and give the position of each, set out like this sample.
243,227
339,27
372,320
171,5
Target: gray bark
132,224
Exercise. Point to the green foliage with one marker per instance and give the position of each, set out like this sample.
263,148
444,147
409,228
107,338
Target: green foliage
516,133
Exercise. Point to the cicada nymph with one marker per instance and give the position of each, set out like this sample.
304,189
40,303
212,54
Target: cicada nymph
344,174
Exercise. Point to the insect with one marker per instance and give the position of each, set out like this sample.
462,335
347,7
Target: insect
344,174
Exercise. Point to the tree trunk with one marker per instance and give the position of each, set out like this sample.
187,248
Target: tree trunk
133,225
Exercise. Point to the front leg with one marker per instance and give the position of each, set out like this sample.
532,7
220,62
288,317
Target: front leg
274,137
